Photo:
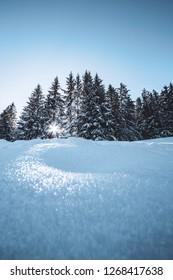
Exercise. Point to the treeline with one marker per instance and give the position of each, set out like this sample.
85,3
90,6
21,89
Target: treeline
86,109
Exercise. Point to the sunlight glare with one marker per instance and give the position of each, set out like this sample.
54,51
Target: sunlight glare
53,129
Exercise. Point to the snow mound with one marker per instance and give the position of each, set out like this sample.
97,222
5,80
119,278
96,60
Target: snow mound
80,199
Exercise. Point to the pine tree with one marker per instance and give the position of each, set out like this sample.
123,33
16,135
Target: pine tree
8,123
95,114
139,116
70,105
148,116
170,108
77,104
115,110
108,124
31,123
103,120
84,123
155,117
128,128
54,112
145,114
93,121
166,110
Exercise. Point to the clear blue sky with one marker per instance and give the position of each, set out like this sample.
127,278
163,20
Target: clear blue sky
129,41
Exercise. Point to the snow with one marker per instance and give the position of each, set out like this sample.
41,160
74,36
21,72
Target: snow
80,199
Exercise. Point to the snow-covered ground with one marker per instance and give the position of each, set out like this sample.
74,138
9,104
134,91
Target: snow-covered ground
79,199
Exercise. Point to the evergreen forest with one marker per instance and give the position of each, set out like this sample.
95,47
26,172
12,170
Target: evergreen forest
85,108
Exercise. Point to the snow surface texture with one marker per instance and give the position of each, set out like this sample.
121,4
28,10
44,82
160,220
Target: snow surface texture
79,199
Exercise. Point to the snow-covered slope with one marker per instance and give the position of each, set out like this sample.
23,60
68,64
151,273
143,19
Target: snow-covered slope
79,199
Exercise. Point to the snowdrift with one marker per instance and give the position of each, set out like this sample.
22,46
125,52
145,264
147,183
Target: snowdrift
80,199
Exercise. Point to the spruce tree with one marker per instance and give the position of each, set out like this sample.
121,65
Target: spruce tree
103,119
155,117
77,104
128,128
166,110
84,123
70,104
139,116
8,123
92,121
149,122
170,108
31,122
54,111
115,110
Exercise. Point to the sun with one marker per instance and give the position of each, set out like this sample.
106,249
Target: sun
53,129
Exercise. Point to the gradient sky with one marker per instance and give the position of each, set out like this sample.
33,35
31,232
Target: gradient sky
129,41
